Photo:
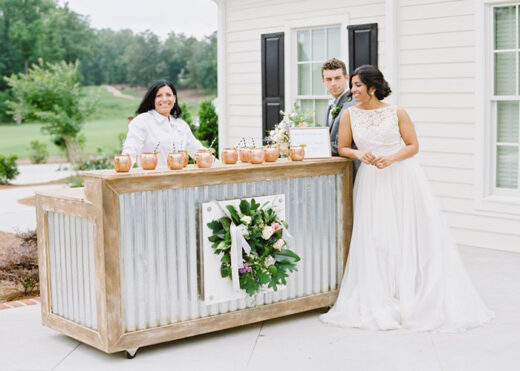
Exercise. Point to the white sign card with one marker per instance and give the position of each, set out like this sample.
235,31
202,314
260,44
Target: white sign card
217,289
316,140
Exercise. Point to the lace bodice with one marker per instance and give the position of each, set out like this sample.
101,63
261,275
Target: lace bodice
376,130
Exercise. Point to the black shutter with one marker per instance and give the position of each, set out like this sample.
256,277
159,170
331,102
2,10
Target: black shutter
362,45
273,93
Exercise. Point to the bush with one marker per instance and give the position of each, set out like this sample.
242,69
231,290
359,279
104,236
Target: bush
21,266
208,124
8,168
38,152
98,162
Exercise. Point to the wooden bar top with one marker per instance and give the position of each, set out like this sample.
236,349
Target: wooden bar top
217,168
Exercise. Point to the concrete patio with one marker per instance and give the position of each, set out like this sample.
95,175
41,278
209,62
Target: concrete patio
299,342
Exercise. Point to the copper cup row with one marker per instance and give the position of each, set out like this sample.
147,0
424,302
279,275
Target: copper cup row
255,155
204,158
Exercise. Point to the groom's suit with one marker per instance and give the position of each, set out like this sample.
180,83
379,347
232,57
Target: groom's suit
333,124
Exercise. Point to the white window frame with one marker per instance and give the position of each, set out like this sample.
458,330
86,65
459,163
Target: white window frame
312,97
488,197
290,65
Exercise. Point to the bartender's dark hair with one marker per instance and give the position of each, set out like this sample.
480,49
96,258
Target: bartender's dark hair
148,102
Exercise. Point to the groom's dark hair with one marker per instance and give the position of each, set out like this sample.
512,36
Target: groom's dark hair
333,64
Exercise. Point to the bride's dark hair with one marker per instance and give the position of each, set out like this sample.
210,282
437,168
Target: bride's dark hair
372,78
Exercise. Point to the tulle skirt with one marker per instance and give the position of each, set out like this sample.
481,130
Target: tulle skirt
404,269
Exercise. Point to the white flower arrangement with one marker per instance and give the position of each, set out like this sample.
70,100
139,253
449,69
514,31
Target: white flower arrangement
279,136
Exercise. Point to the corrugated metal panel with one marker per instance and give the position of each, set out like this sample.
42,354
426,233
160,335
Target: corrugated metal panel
72,278
160,258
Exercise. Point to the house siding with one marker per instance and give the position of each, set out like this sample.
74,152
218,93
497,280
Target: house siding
436,46
437,82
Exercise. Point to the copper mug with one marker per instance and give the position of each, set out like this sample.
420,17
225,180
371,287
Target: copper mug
122,163
148,160
175,160
244,154
229,156
271,153
257,156
186,158
297,153
204,159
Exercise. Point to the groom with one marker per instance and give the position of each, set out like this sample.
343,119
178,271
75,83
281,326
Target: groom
335,78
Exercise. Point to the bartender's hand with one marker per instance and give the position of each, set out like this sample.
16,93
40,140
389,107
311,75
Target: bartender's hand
365,157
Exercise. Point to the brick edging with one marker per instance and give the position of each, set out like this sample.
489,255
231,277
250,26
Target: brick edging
20,303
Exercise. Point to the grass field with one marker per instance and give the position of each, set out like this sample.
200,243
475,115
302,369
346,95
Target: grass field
101,129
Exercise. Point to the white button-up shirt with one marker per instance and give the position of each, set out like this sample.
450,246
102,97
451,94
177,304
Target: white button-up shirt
148,129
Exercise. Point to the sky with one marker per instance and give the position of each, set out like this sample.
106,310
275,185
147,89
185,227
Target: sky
192,17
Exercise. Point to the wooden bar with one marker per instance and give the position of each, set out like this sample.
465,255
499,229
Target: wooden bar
131,231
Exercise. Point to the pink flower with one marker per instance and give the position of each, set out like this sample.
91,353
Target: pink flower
276,226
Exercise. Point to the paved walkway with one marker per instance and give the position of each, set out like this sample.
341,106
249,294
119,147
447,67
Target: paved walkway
297,342
16,217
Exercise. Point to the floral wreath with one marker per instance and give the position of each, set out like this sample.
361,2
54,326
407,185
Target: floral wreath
269,262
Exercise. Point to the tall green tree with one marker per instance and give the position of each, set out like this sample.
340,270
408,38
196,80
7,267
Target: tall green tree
51,93
142,59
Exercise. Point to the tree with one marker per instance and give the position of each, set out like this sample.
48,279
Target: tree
142,59
202,64
208,124
52,94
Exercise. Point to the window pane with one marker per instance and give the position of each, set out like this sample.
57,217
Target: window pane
304,81
317,84
333,43
307,105
505,77
507,122
507,167
505,27
322,106
319,45
304,45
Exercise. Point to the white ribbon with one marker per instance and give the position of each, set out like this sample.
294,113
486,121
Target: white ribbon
238,243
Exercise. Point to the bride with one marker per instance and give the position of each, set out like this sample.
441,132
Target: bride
403,270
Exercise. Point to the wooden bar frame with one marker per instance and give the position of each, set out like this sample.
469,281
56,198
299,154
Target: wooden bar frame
99,202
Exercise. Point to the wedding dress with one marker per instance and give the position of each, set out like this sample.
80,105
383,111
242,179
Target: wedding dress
403,270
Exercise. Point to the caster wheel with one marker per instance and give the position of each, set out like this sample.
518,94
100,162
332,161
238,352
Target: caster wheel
130,354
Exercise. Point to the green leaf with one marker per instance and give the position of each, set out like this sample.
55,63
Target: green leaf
225,221
225,271
264,277
244,208
286,256
215,226
214,238
234,214
225,258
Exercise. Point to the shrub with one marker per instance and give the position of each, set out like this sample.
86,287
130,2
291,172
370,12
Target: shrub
208,124
8,168
98,162
21,266
38,152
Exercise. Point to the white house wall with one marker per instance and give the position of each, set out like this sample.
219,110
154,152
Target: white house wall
437,82
437,79
245,22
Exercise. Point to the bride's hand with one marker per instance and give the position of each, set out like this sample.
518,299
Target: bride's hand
383,161
365,157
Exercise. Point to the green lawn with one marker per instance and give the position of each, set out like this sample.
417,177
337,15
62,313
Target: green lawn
101,129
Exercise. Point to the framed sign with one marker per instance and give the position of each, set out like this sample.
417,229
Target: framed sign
316,140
